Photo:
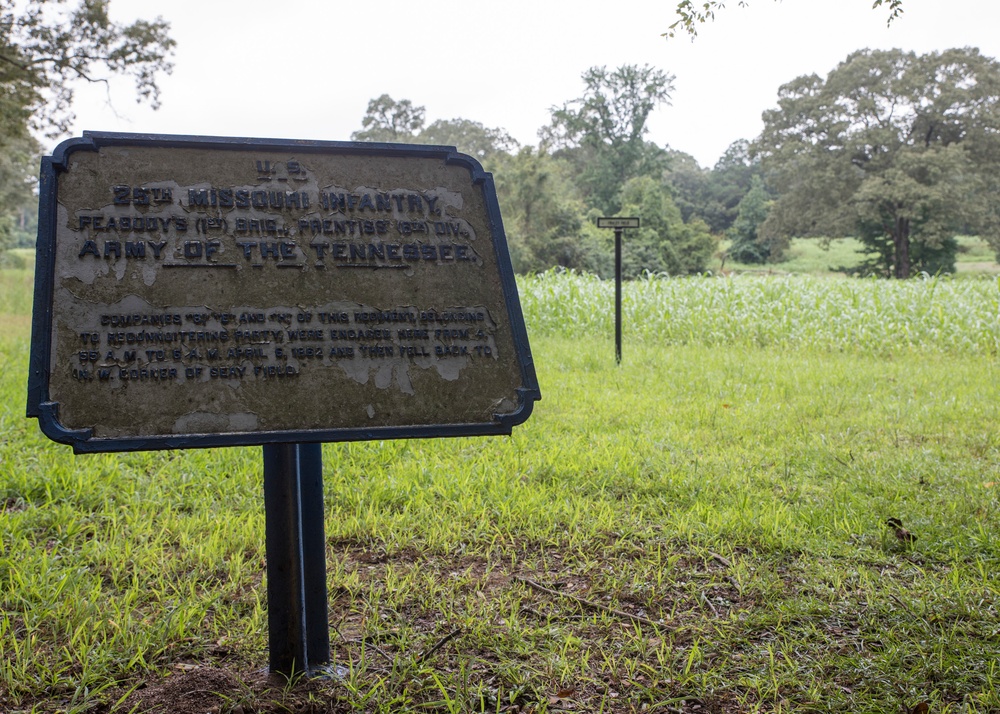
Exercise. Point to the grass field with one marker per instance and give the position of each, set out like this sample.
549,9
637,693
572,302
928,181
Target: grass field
810,255
701,529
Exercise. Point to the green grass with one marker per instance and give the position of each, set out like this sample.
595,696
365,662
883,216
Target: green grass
804,255
16,288
18,259
975,256
818,257
710,514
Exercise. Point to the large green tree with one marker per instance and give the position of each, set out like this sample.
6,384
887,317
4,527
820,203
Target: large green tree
748,245
899,149
664,243
544,217
389,120
543,213
712,195
47,47
689,184
603,131
729,182
18,203
470,137
402,122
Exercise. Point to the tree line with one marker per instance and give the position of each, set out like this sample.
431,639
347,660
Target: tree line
592,159
899,150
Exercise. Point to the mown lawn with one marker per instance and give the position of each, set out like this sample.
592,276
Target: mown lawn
819,257
702,529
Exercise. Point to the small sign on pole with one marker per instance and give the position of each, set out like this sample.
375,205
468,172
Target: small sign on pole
619,224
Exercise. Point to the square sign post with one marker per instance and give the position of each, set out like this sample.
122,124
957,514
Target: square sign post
208,292
619,224
295,550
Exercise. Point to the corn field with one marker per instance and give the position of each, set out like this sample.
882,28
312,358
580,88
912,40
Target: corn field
928,313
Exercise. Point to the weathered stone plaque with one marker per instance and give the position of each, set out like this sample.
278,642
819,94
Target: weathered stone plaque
211,291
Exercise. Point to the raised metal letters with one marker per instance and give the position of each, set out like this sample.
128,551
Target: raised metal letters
203,292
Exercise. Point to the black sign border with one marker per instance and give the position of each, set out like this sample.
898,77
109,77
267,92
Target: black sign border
40,406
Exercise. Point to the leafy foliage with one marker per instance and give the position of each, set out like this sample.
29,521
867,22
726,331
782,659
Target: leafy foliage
664,243
899,148
544,216
689,184
471,137
748,245
18,204
692,14
601,163
401,122
389,120
603,131
45,49
896,149
712,194
729,181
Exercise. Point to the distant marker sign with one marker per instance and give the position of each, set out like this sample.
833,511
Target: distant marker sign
617,222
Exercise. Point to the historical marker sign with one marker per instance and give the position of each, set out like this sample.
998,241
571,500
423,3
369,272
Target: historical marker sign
211,291
606,222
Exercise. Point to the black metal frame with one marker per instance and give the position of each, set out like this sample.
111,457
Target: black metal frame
39,404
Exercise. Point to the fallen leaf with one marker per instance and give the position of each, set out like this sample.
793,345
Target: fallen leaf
564,693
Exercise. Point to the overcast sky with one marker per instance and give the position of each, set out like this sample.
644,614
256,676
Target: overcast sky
306,69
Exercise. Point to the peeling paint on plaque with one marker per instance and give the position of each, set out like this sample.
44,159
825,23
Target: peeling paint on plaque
202,292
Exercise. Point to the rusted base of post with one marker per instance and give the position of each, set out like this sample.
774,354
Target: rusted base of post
298,631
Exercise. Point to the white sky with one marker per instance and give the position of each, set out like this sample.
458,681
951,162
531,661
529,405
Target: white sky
306,69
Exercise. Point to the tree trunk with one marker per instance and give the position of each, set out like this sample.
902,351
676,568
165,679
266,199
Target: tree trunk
901,252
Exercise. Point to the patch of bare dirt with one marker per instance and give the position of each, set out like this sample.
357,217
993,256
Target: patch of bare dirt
195,689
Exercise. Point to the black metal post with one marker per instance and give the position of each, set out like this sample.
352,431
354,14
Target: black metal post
618,295
298,632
